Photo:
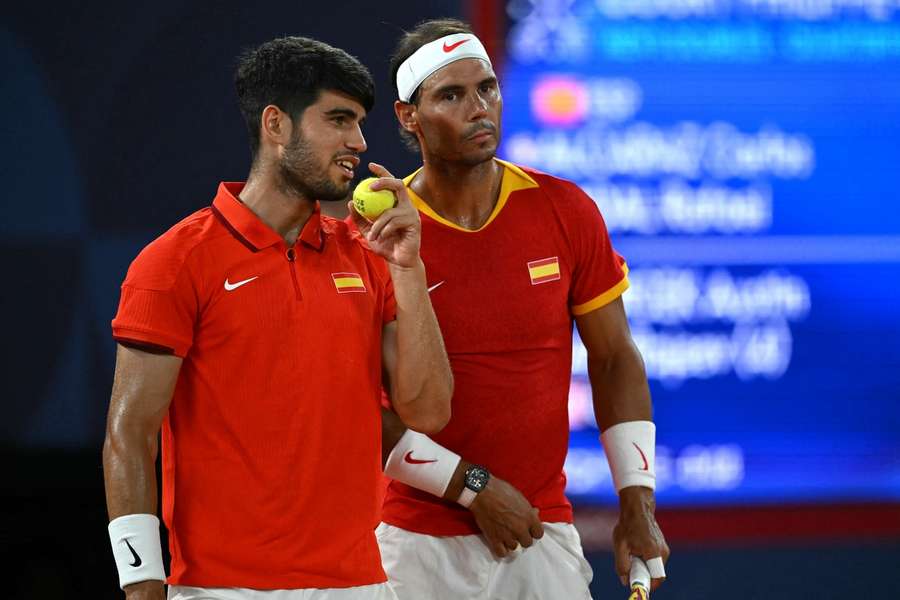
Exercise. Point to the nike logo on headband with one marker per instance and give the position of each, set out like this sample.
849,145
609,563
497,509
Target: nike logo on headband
455,45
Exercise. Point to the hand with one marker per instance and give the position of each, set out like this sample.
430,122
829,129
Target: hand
505,517
637,533
146,590
396,233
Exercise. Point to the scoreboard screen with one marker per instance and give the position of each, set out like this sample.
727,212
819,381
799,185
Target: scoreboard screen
745,155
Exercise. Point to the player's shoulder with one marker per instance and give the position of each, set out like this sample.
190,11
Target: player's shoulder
161,261
559,191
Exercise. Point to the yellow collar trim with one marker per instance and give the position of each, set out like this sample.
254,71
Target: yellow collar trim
514,179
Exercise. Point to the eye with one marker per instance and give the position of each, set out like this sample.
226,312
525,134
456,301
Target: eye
451,96
340,120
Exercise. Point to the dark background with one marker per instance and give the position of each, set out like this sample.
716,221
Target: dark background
119,120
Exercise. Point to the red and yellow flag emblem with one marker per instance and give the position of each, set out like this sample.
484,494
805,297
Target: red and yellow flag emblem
544,270
348,282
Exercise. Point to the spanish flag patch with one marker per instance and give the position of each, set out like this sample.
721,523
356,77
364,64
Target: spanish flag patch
348,282
543,270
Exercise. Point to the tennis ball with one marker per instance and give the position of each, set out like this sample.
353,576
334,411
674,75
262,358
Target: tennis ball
370,204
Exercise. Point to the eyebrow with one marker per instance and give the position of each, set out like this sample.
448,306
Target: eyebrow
455,87
345,112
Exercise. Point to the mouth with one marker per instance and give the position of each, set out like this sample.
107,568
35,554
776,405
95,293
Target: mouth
347,164
481,135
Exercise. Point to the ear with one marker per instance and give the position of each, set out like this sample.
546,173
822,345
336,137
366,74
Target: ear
406,115
275,126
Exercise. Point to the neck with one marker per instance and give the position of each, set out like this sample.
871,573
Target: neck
279,207
462,194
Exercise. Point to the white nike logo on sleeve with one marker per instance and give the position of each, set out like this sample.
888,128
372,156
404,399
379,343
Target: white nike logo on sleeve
435,286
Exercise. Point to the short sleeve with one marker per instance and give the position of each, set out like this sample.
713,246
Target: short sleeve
599,273
158,305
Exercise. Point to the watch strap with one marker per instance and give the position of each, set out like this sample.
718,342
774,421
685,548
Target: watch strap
466,497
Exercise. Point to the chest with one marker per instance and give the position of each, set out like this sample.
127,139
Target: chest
505,287
308,300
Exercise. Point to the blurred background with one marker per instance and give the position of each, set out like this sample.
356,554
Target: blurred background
743,152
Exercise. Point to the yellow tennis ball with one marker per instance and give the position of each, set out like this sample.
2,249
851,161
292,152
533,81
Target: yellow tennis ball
370,204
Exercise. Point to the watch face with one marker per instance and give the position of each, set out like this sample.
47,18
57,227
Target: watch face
476,478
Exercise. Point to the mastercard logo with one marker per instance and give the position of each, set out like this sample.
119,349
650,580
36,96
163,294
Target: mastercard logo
560,101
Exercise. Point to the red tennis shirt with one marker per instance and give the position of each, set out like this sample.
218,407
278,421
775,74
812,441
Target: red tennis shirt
271,449
505,296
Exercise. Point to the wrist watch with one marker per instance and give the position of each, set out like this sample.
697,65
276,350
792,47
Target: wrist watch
476,480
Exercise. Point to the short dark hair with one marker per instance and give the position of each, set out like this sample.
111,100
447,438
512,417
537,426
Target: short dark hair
423,33
291,72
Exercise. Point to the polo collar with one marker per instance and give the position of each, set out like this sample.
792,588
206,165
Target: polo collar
249,228
514,179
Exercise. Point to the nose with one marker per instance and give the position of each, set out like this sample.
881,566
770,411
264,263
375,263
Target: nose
479,107
356,141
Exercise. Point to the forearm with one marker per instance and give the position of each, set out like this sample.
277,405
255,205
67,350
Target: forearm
129,470
621,395
619,386
422,383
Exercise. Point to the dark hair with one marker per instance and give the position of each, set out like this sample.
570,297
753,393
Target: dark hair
423,33
291,72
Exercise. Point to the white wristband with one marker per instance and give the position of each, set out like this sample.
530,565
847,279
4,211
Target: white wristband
418,461
631,452
136,548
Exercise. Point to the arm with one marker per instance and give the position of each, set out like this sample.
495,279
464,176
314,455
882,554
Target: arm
415,361
142,390
621,394
503,514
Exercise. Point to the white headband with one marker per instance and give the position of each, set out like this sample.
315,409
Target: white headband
433,56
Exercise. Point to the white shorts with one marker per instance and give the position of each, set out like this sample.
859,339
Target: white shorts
378,591
462,567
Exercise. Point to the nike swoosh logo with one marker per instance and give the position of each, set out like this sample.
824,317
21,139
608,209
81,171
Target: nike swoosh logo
137,559
435,286
233,286
646,466
415,461
454,46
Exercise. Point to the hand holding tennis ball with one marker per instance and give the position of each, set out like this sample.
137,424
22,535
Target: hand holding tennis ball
387,219
371,204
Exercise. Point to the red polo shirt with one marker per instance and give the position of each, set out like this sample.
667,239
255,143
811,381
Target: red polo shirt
271,449
506,296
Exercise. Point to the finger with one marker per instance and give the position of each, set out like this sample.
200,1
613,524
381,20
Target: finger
623,559
498,548
386,183
380,223
394,185
390,222
656,567
655,583
523,536
362,223
536,528
379,170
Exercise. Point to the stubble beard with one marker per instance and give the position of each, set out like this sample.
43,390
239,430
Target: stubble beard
300,174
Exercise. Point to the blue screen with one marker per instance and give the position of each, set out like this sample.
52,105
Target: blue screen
746,158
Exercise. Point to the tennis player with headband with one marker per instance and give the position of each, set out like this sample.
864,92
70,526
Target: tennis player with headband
514,257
